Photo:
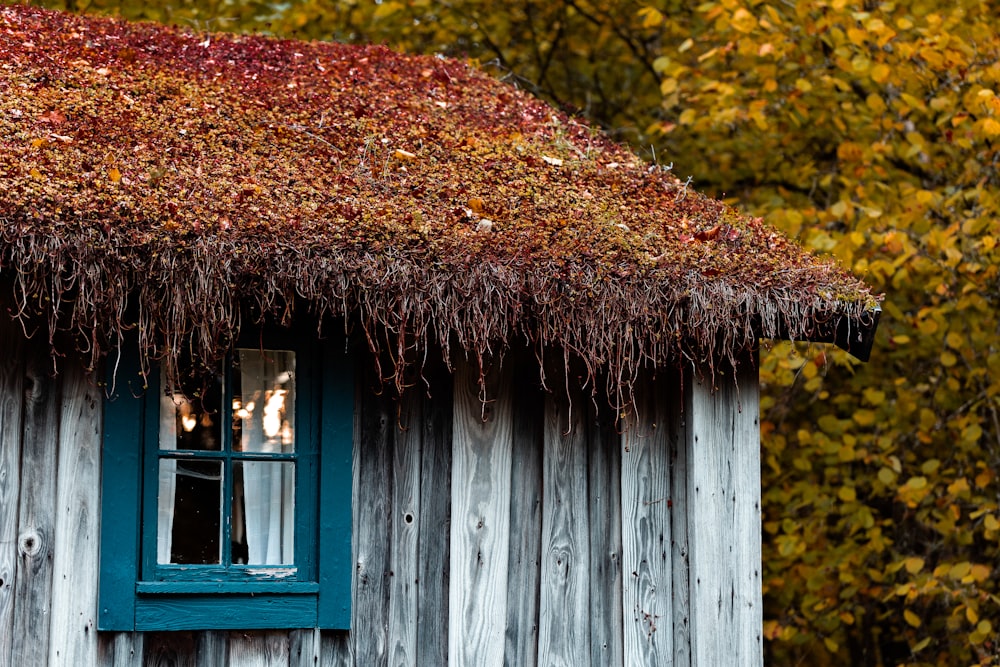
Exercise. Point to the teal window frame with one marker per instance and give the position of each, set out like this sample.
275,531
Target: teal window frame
134,594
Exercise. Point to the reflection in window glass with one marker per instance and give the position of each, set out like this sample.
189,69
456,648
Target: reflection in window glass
263,511
188,516
264,401
190,417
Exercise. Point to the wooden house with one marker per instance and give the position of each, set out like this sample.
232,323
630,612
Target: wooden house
325,355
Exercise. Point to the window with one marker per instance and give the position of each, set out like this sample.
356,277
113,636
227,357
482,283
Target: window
226,503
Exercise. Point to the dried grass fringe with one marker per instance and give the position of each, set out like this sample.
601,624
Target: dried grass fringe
190,300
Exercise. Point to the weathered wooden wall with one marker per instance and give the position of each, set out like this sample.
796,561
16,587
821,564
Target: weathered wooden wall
540,536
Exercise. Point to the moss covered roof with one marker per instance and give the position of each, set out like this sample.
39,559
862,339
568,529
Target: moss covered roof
424,200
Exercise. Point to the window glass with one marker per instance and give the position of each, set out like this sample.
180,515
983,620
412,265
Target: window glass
189,520
264,401
190,417
227,481
263,510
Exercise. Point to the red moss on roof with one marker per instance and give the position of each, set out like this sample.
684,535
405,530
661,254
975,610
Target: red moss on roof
202,171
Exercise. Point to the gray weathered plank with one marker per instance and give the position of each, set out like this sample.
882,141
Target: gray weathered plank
119,649
524,563
680,561
605,447
723,449
404,574
211,648
480,526
258,649
170,649
369,594
435,521
564,612
36,520
73,635
646,551
335,650
11,402
304,647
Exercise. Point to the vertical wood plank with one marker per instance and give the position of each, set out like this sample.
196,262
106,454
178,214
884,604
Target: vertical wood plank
369,608
304,647
36,521
119,649
211,648
11,402
73,636
258,649
170,649
524,562
564,617
435,521
606,633
723,461
680,551
646,552
404,574
335,650
480,527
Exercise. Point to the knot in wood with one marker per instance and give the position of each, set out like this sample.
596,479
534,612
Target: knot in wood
29,543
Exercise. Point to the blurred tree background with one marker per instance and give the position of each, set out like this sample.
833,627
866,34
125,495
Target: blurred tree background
867,130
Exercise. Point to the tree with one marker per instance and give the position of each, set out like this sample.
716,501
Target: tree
867,130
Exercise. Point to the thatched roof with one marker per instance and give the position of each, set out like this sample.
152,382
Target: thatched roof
198,174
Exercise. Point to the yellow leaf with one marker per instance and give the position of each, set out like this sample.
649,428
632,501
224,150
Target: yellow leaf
971,615
921,645
847,494
831,645
864,417
959,486
886,476
803,86
880,73
35,174
668,86
384,9
990,127
913,564
688,116
875,103
911,618
114,175
916,482
743,20
960,570
651,17
991,523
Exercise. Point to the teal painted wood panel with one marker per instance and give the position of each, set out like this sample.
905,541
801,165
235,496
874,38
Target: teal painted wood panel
224,612
336,488
121,476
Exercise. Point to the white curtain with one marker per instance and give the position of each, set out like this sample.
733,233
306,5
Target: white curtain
268,425
168,480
